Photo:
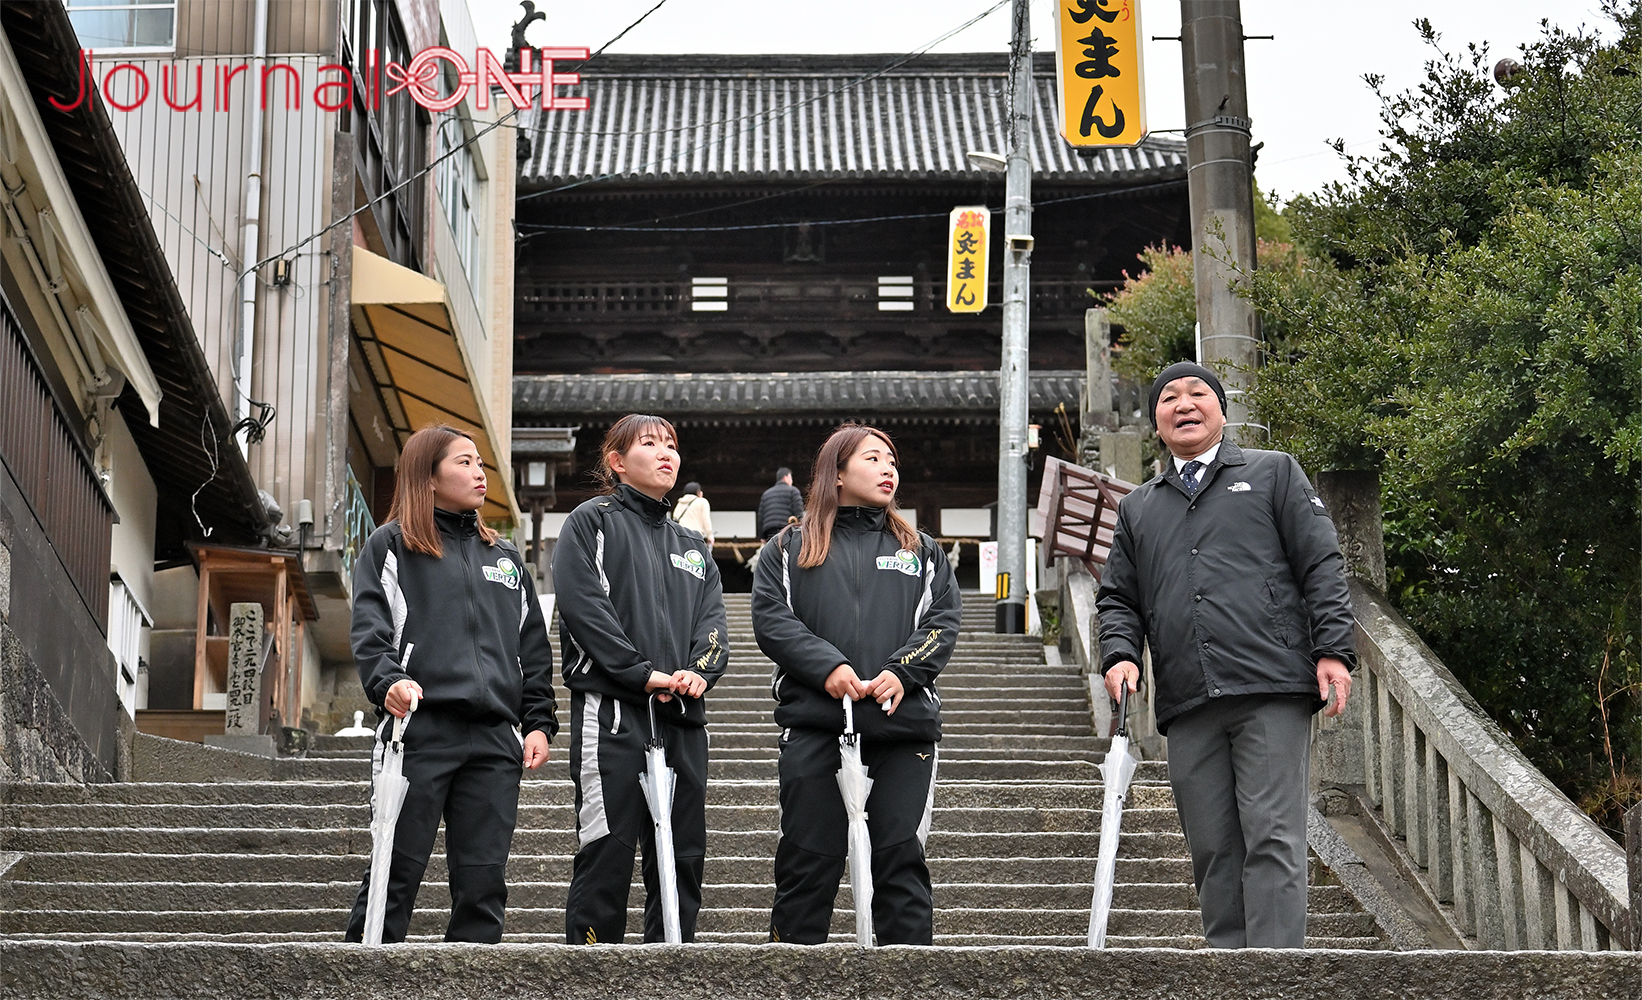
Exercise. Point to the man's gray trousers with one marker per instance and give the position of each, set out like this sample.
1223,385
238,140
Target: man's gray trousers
1240,769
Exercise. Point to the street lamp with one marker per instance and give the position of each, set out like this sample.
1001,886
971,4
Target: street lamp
992,163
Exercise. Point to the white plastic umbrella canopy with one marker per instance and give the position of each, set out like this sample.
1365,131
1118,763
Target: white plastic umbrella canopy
1117,770
657,782
855,786
388,788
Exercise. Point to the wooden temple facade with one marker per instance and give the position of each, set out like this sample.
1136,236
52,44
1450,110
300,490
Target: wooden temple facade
755,247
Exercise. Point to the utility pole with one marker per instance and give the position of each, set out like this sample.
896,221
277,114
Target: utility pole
1013,385
1221,186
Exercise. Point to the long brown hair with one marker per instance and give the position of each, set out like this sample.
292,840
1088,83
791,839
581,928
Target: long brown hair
622,435
413,489
821,510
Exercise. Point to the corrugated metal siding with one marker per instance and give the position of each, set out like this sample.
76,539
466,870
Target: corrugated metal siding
656,127
224,27
193,164
291,365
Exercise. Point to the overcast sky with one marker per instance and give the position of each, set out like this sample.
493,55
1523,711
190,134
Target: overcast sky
1305,87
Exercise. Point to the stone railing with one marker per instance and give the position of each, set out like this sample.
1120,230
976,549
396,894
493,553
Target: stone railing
1505,857
1514,863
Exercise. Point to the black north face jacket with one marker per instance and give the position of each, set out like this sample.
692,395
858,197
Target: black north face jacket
872,605
1238,590
637,592
466,626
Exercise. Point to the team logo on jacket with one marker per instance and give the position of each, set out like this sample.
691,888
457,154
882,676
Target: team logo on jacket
504,573
691,562
904,561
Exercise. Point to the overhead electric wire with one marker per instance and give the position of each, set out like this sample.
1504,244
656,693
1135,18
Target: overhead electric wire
498,123
762,116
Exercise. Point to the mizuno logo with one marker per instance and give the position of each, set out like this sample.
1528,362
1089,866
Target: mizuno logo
923,756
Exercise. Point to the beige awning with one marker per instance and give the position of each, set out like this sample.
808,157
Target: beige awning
406,317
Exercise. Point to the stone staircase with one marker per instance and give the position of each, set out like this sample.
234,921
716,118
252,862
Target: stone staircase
1011,851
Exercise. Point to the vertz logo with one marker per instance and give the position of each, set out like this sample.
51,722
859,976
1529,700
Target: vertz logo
692,563
504,573
904,561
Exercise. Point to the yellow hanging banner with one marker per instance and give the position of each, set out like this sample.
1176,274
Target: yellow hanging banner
1098,74
968,237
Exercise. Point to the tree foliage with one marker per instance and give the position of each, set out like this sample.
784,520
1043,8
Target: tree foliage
1465,315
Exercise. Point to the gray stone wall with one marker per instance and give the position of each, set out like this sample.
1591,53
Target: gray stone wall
39,740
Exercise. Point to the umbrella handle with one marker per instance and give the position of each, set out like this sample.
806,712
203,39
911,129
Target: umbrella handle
655,731
400,724
849,716
1123,710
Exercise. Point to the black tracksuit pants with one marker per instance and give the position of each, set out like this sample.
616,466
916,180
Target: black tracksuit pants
613,821
468,773
809,861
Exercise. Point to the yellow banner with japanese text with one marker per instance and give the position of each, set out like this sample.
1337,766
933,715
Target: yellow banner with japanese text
1098,74
968,240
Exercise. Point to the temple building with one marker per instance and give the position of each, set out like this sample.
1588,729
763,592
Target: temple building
756,247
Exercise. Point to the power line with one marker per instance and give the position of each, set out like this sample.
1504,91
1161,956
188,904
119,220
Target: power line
498,123
529,228
767,116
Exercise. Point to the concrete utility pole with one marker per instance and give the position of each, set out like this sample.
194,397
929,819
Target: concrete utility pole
1220,181
1013,386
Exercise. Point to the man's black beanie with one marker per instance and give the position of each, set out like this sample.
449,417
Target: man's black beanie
1182,369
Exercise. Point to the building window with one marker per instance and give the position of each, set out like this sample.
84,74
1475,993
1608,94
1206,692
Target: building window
458,185
112,24
709,294
895,293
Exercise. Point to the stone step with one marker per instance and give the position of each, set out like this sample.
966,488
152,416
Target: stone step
208,896
840,943
720,869
755,764
553,818
954,711
350,840
948,792
548,920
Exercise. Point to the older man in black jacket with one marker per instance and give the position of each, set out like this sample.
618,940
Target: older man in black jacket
1228,566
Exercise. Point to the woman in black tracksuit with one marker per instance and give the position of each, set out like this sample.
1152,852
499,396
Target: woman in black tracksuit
640,611
444,613
853,602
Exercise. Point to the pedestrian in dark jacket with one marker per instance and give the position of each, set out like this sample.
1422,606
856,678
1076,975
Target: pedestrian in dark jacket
855,603
444,612
779,505
1228,566
641,611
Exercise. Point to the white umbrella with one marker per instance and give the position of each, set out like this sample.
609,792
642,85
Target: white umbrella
657,782
1116,771
388,788
855,785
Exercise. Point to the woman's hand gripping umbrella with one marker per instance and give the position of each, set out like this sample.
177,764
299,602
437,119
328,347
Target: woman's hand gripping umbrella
657,781
1116,772
855,786
388,788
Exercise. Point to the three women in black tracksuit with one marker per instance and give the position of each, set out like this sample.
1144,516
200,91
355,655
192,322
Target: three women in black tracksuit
641,612
853,602
445,613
